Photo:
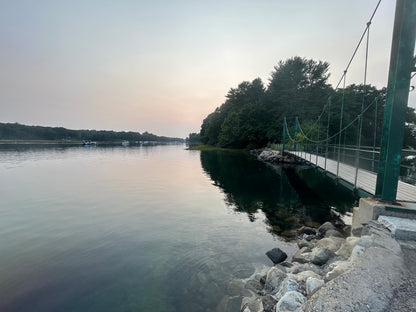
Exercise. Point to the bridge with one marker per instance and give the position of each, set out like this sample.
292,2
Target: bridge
358,152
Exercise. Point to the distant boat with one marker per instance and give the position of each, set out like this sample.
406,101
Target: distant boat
125,143
89,143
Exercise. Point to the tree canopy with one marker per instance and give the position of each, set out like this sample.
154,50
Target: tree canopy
252,114
16,131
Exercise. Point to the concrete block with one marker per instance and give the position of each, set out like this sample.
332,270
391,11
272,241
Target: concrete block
403,229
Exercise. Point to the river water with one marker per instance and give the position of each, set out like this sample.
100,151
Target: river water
155,228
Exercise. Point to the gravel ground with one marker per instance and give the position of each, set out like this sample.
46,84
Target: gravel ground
405,294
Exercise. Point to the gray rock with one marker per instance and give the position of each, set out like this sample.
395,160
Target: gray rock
325,227
252,305
331,243
337,268
346,248
304,243
274,279
276,255
300,267
303,276
286,264
268,303
307,230
313,284
288,285
357,253
303,255
291,301
310,238
365,241
269,155
335,233
254,286
321,255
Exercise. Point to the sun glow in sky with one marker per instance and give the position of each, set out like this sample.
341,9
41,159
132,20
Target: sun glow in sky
162,66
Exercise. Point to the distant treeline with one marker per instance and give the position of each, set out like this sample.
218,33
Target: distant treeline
15,131
252,114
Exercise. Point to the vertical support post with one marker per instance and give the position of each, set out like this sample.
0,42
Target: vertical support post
284,135
296,133
317,143
345,145
375,135
401,66
327,130
357,157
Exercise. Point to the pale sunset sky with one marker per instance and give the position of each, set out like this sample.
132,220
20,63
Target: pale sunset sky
162,66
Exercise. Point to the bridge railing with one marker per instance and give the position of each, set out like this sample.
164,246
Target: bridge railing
366,158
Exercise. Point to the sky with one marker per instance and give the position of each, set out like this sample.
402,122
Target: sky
163,66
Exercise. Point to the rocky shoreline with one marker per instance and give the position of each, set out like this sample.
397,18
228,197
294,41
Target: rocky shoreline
330,271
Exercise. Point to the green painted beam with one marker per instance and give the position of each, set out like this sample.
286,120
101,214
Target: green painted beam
401,66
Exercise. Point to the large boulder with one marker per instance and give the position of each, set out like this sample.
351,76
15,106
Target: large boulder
332,232
331,243
346,248
303,276
291,301
270,156
274,279
321,255
303,255
288,284
304,243
325,227
276,255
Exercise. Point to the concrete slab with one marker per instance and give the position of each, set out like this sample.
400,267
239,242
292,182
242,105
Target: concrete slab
403,229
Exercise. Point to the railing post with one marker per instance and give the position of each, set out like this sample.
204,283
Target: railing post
327,131
401,66
357,153
284,135
317,143
296,133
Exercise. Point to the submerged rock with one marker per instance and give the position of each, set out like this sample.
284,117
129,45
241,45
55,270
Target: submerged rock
276,255
252,305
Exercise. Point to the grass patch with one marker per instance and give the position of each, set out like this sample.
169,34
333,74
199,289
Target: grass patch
212,148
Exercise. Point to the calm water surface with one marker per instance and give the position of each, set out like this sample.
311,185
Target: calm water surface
140,228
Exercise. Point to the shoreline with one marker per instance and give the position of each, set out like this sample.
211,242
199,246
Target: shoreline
336,272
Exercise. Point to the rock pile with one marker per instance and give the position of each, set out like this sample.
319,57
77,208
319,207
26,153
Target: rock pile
324,254
273,157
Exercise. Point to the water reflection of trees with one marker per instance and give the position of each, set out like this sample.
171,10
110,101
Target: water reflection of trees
250,186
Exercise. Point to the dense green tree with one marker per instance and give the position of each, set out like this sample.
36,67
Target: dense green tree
15,131
252,115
